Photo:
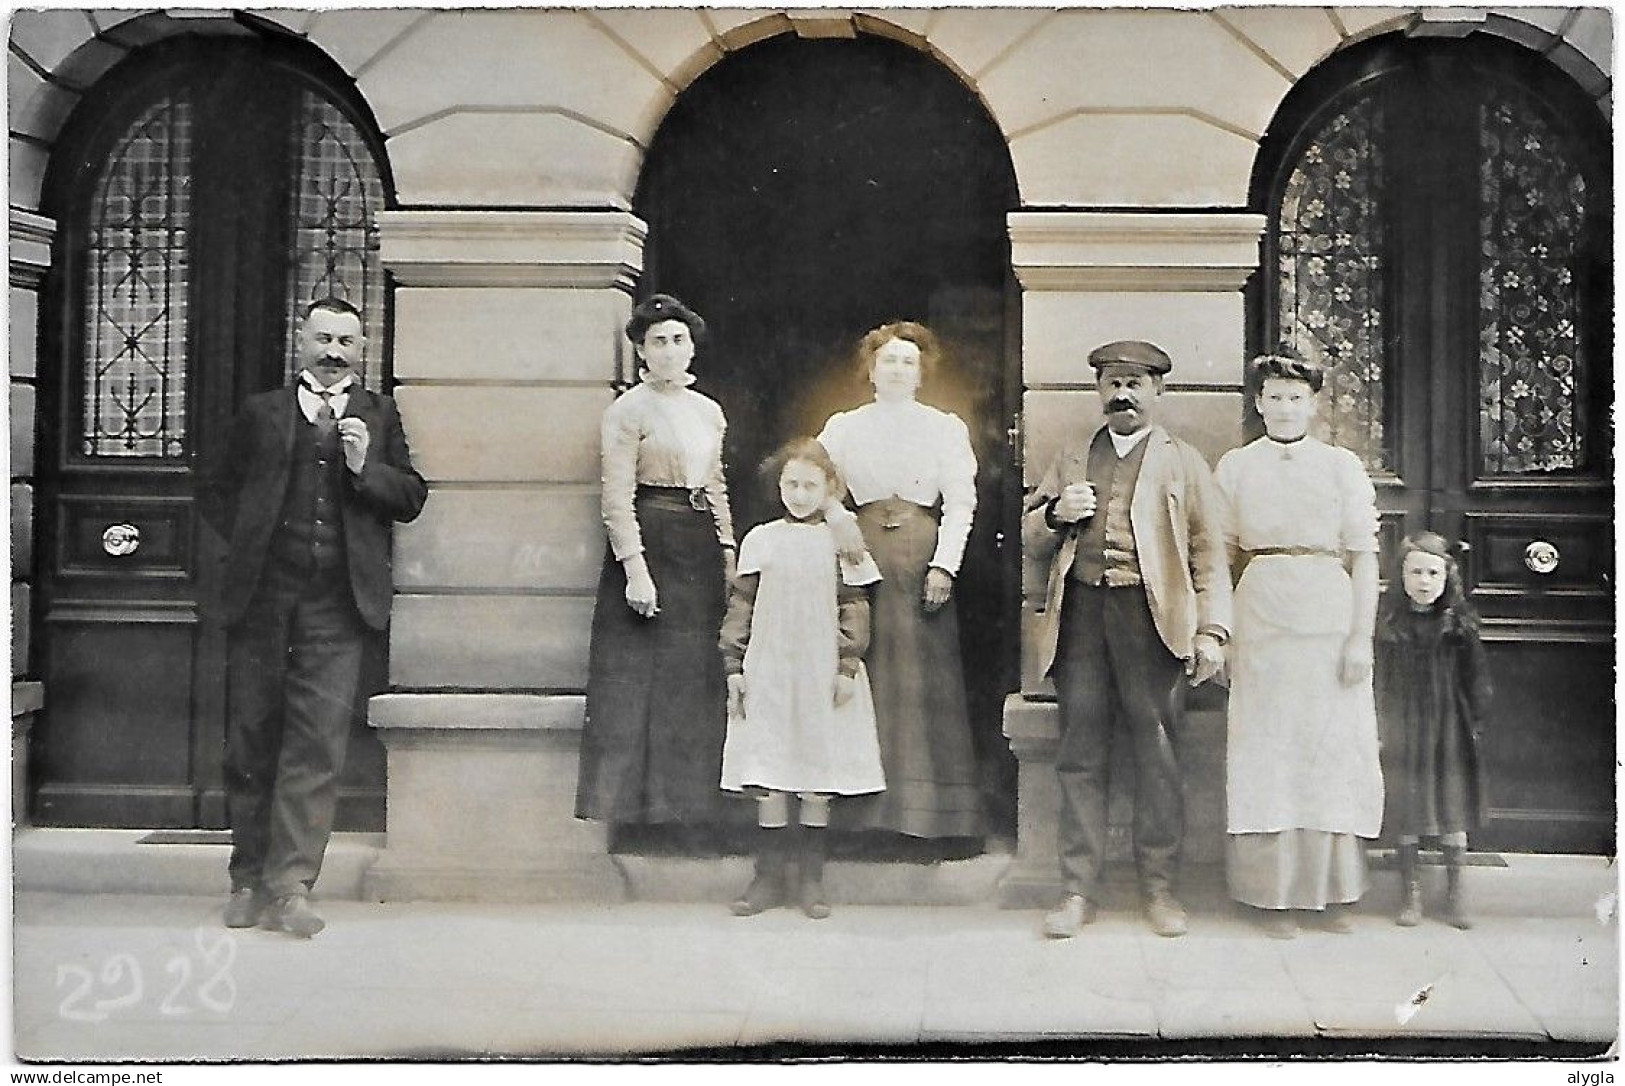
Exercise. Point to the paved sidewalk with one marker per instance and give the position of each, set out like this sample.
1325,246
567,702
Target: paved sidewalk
108,976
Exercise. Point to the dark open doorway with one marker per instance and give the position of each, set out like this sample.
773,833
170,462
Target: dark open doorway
802,192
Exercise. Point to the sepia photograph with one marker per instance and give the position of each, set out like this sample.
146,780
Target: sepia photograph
959,535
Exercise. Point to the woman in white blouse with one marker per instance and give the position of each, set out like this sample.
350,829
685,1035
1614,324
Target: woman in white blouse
912,475
1303,784
651,746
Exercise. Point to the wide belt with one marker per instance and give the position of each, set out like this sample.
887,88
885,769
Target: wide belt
675,497
894,512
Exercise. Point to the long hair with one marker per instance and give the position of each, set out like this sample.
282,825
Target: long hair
1459,614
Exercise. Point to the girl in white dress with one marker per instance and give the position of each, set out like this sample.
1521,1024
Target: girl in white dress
800,717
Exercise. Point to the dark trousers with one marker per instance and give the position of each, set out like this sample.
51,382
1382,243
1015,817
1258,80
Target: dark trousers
295,665
1111,669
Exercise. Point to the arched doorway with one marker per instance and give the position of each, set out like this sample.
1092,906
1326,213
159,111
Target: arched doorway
203,190
1439,230
801,192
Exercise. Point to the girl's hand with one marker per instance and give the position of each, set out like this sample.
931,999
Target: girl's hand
845,687
1356,665
730,564
736,696
640,587
939,585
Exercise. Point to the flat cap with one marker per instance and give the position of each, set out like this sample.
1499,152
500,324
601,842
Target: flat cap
1131,352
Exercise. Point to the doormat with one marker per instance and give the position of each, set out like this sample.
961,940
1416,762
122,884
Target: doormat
1389,860
186,837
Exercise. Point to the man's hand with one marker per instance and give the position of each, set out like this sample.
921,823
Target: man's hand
939,585
736,696
730,564
1207,659
1077,502
354,440
1356,663
640,587
845,687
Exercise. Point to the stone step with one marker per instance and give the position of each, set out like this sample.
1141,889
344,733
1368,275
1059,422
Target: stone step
98,861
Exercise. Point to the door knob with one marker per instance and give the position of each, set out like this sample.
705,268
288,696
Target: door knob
119,540
1541,557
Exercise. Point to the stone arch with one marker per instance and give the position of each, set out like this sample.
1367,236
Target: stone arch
58,55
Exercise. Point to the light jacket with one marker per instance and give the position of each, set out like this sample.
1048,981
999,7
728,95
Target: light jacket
1178,537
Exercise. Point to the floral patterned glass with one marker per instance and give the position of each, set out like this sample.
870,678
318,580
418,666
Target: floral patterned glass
1330,238
135,291
1532,206
335,220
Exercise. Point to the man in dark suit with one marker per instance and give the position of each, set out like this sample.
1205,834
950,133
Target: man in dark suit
1138,601
314,476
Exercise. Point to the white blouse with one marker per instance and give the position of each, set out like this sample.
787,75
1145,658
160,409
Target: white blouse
913,452
1300,494
660,436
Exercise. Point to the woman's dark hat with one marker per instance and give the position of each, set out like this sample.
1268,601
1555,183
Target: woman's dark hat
657,308
1132,352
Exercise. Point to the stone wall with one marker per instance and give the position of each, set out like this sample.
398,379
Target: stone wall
515,138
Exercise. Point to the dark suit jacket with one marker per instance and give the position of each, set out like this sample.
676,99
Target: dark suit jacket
241,496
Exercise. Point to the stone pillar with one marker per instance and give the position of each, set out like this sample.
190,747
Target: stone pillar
507,346
1090,278
30,259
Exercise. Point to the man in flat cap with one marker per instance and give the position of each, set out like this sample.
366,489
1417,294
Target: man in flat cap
1138,605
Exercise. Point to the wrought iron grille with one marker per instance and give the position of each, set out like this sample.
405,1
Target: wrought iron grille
335,221
1331,239
1531,369
135,291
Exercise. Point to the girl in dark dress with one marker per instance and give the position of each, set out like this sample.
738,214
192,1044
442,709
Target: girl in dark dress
1433,691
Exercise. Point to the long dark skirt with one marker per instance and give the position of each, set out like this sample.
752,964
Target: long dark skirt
651,747
919,691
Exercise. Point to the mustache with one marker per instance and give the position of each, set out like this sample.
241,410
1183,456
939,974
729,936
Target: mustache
1121,405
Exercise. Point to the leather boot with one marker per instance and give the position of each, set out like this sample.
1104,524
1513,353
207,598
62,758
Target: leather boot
766,890
813,899
1410,888
1455,909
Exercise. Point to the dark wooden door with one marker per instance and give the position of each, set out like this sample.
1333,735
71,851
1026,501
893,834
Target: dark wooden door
1441,240
180,263
799,194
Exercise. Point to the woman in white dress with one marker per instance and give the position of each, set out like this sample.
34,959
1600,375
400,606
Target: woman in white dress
911,473
1303,783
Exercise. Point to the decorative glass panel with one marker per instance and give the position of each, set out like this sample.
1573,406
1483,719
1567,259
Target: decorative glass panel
335,220
1530,367
1330,238
135,291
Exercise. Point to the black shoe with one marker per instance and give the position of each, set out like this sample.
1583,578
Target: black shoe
814,902
245,907
766,889
293,915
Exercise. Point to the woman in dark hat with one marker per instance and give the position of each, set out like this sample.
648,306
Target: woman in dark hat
651,747
912,474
